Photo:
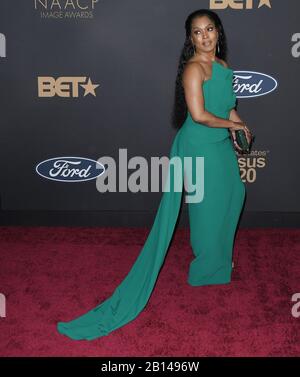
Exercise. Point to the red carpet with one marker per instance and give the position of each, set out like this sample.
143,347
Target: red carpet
54,274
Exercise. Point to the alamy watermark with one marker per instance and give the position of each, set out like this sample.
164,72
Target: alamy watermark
296,307
177,173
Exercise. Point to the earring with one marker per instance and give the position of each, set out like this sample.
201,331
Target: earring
218,47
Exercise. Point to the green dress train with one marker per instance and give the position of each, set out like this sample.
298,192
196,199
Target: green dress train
213,220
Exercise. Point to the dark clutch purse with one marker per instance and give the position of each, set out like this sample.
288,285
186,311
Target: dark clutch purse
242,141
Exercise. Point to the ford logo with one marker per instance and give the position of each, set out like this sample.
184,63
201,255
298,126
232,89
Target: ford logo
70,169
248,84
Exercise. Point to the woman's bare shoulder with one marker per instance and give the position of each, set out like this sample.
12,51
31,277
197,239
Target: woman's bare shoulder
193,68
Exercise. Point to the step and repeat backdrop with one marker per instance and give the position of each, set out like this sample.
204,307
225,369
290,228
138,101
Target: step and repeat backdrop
87,81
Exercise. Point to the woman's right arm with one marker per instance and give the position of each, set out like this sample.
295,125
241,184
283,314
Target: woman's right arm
192,81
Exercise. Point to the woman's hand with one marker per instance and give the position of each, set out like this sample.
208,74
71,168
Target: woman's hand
240,126
233,136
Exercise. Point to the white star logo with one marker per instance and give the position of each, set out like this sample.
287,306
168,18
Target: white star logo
89,88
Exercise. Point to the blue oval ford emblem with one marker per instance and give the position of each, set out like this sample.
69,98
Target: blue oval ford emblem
70,169
252,84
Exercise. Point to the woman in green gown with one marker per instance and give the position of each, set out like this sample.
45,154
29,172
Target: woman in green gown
207,120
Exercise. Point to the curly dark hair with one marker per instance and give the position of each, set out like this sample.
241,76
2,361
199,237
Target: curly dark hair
179,112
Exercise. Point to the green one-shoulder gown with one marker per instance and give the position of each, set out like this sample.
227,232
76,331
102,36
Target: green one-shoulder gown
213,220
